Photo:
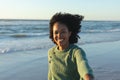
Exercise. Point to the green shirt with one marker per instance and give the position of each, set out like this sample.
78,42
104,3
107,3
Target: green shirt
69,64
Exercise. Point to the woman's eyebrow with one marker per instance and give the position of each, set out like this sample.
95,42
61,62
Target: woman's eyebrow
62,29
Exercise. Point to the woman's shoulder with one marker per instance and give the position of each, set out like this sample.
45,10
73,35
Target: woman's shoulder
78,50
76,47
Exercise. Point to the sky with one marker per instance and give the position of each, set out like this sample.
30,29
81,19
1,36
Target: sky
45,9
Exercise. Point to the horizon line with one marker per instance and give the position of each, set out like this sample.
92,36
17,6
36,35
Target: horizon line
48,19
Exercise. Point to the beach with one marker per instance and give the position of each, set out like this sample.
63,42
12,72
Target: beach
30,65
24,45
105,60
26,65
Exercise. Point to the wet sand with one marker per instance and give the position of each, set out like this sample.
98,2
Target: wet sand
104,58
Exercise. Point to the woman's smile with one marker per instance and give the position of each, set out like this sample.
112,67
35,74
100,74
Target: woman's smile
61,35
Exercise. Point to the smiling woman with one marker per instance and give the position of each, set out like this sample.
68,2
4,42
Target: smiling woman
61,35
67,61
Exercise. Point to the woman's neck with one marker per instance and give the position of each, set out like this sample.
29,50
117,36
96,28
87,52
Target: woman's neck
61,48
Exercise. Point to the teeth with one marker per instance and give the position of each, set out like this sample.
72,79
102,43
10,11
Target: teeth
60,40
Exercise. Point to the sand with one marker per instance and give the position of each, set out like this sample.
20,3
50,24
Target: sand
104,58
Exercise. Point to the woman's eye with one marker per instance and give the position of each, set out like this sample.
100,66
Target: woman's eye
56,32
63,32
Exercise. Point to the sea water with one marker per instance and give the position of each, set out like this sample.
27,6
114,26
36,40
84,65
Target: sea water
29,35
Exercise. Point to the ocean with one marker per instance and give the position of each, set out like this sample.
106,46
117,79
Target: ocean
24,45
28,35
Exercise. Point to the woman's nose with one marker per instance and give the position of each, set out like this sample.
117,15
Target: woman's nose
60,35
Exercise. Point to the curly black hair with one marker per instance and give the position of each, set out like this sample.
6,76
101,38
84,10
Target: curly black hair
73,23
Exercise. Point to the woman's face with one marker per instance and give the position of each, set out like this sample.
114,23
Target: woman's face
61,35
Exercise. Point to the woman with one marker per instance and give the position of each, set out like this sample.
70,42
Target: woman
67,61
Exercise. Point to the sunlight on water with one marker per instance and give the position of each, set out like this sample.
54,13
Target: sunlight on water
20,35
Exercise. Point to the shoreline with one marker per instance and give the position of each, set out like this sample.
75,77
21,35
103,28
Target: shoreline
104,59
32,65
